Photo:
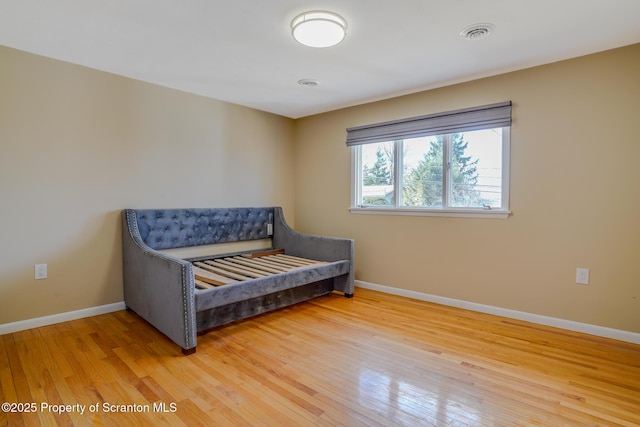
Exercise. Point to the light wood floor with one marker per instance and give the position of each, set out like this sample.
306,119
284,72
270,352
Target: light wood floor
374,360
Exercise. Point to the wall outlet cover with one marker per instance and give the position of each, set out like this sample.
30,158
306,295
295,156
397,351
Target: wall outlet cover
40,271
582,276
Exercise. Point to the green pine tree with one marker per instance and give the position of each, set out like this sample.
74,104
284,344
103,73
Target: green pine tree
464,174
423,184
379,174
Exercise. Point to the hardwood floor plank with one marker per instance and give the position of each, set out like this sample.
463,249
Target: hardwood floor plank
16,350
296,377
373,360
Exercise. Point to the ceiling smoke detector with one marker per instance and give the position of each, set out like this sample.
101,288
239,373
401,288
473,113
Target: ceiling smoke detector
477,31
308,82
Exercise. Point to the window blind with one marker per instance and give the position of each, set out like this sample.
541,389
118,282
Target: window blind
467,119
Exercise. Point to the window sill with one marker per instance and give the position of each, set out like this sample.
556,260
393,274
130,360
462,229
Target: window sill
452,213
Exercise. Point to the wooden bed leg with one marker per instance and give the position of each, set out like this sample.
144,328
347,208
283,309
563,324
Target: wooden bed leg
188,351
348,295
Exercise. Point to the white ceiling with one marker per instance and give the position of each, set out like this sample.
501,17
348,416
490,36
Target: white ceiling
242,52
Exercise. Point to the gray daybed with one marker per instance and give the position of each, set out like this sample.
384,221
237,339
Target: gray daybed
161,288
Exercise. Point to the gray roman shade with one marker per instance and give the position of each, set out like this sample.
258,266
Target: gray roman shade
468,119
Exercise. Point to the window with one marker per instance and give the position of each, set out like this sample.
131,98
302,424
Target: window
449,164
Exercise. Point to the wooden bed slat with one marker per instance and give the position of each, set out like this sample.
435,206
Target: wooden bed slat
301,260
279,259
286,262
264,253
243,266
255,263
235,268
208,276
203,285
225,273
211,265
274,264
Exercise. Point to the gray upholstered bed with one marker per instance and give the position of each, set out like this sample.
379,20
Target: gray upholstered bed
161,288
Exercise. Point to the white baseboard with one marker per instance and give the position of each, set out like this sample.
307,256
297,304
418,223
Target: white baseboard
570,325
22,325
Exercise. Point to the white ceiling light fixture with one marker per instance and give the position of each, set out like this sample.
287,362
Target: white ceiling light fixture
318,28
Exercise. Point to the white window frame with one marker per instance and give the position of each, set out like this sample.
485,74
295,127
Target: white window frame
502,212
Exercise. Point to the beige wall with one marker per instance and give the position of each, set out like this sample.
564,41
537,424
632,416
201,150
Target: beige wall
575,196
78,145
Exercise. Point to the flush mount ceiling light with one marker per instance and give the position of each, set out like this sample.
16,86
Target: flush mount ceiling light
477,31
318,28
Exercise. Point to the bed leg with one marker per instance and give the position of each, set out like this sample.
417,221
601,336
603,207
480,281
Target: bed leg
188,351
348,295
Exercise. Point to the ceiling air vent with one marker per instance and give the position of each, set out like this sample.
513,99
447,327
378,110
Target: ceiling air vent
477,31
308,82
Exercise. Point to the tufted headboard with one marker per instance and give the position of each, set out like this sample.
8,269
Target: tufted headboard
175,228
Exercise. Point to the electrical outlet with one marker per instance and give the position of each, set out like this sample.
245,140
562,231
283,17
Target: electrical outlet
40,271
582,276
